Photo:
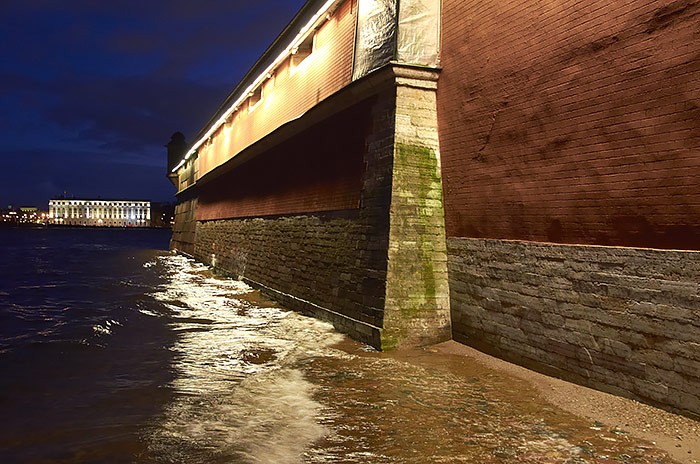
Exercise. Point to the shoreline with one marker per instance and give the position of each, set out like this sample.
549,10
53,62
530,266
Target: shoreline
675,434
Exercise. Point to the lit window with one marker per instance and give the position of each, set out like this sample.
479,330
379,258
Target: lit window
255,97
305,49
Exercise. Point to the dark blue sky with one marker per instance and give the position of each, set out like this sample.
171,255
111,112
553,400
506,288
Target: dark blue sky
90,91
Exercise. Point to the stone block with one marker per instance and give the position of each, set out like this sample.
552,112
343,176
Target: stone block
629,321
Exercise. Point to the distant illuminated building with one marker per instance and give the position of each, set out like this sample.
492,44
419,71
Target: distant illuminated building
107,213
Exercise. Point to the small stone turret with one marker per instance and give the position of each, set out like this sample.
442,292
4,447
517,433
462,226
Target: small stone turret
176,150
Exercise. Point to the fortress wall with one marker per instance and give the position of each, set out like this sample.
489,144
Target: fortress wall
565,124
330,264
344,221
572,121
184,228
624,320
568,149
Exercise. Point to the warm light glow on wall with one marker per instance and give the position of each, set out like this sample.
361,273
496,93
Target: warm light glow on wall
300,37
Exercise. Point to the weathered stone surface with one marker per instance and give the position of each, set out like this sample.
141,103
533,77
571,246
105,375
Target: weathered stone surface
623,320
310,258
417,294
184,229
378,272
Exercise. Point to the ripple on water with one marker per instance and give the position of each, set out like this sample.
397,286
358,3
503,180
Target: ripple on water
257,384
241,395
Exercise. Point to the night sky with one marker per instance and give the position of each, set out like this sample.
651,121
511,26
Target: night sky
90,91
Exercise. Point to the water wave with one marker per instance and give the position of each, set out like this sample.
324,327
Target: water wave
240,392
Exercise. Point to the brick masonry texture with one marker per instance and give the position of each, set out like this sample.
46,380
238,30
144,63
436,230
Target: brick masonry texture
184,229
328,264
309,172
624,320
572,121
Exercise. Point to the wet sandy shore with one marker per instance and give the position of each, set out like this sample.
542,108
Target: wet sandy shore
676,435
451,404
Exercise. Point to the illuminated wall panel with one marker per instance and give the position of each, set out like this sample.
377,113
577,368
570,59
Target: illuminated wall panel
571,122
297,176
289,91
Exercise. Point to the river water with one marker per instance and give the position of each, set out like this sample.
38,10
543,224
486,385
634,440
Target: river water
113,349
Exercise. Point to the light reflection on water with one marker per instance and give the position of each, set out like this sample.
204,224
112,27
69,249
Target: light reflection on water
115,352
240,395
255,383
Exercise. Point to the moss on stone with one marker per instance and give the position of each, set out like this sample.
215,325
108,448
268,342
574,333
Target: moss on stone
425,186
391,339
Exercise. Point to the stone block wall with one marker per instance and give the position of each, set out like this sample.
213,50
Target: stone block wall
624,320
184,229
316,264
417,308
331,265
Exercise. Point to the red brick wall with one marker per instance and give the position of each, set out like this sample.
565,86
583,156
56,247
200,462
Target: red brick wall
318,170
572,121
293,91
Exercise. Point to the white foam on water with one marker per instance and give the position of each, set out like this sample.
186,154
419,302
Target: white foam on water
240,395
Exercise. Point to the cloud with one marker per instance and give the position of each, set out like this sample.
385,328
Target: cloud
135,111
99,84
225,32
11,83
33,177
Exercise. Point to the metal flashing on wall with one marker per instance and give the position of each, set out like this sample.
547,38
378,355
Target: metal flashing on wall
419,32
375,44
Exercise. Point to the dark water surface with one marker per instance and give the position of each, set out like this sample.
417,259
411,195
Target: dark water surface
115,350
83,362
